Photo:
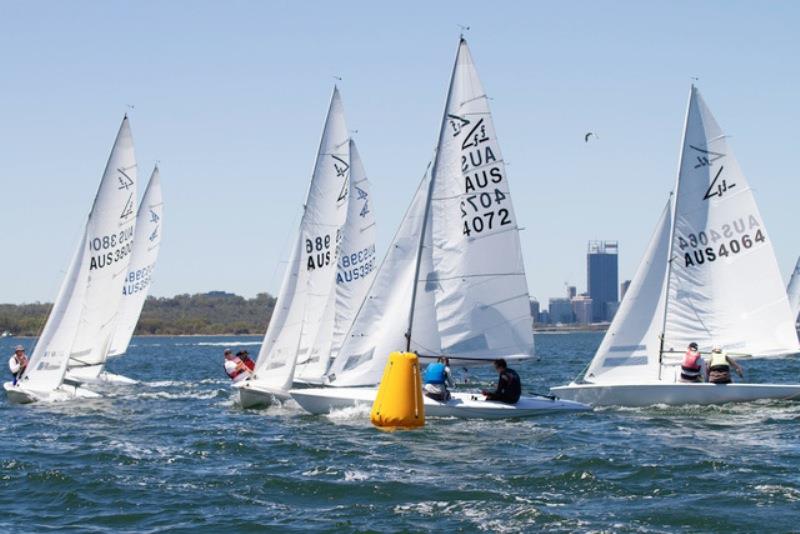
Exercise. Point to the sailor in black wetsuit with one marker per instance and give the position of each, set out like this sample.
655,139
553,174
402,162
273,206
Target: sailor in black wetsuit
509,386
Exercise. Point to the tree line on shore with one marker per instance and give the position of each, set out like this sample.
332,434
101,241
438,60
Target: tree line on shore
215,312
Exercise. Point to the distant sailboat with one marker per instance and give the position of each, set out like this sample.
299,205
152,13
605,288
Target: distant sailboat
304,321
146,244
453,281
80,326
793,290
709,276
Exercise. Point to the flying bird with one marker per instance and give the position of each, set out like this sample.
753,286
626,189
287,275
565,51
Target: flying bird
588,135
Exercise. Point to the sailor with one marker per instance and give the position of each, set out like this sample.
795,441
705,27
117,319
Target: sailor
718,368
246,360
509,386
437,379
17,363
234,367
692,366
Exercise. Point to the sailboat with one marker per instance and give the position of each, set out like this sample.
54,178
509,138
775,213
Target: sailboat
793,290
355,270
453,281
709,276
146,244
80,326
304,320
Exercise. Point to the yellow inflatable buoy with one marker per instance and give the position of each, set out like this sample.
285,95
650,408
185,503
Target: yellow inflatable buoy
399,401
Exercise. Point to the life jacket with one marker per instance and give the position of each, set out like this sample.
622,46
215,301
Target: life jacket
435,374
719,362
236,372
690,368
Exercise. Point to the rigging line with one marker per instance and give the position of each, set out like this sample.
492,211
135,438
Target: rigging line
464,276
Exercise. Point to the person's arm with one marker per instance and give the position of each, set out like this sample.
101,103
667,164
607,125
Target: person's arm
735,364
448,378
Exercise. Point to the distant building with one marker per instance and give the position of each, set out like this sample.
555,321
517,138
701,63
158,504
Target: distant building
623,288
602,277
544,317
571,292
582,309
561,311
535,310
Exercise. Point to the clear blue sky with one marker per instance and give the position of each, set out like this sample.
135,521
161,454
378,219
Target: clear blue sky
230,97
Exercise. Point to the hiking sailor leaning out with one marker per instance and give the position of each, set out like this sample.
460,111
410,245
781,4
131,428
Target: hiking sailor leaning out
235,367
718,368
17,363
692,366
437,380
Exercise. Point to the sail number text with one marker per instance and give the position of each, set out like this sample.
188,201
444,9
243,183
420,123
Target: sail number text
111,248
723,242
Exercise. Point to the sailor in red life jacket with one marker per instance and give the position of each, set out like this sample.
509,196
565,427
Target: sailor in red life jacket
235,368
246,360
692,366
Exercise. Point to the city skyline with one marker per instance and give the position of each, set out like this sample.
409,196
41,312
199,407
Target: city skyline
231,102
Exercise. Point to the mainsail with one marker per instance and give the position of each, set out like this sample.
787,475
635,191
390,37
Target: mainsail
724,284
355,271
311,275
79,328
146,243
455,265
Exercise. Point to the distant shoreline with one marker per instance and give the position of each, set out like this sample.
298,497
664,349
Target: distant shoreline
568,329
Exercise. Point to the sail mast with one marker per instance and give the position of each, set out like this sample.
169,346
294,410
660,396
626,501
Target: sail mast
428,199
672,230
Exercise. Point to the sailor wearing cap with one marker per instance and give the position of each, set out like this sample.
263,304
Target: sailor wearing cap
17,363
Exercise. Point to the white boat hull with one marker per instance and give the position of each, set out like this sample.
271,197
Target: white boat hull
255,395
95,374
465,405
21,395
674,394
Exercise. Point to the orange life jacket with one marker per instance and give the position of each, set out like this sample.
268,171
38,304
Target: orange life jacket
690,368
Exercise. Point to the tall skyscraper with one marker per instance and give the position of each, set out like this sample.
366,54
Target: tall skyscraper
602,277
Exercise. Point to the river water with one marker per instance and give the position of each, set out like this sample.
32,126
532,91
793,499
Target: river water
174,454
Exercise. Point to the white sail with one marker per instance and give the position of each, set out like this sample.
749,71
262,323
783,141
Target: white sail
382,320
48,361
482,300
79,329
724,285
471,301
311,277
355,272
629,352
110,233
793,290
146,243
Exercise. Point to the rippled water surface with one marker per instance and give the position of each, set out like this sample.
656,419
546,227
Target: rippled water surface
175,454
